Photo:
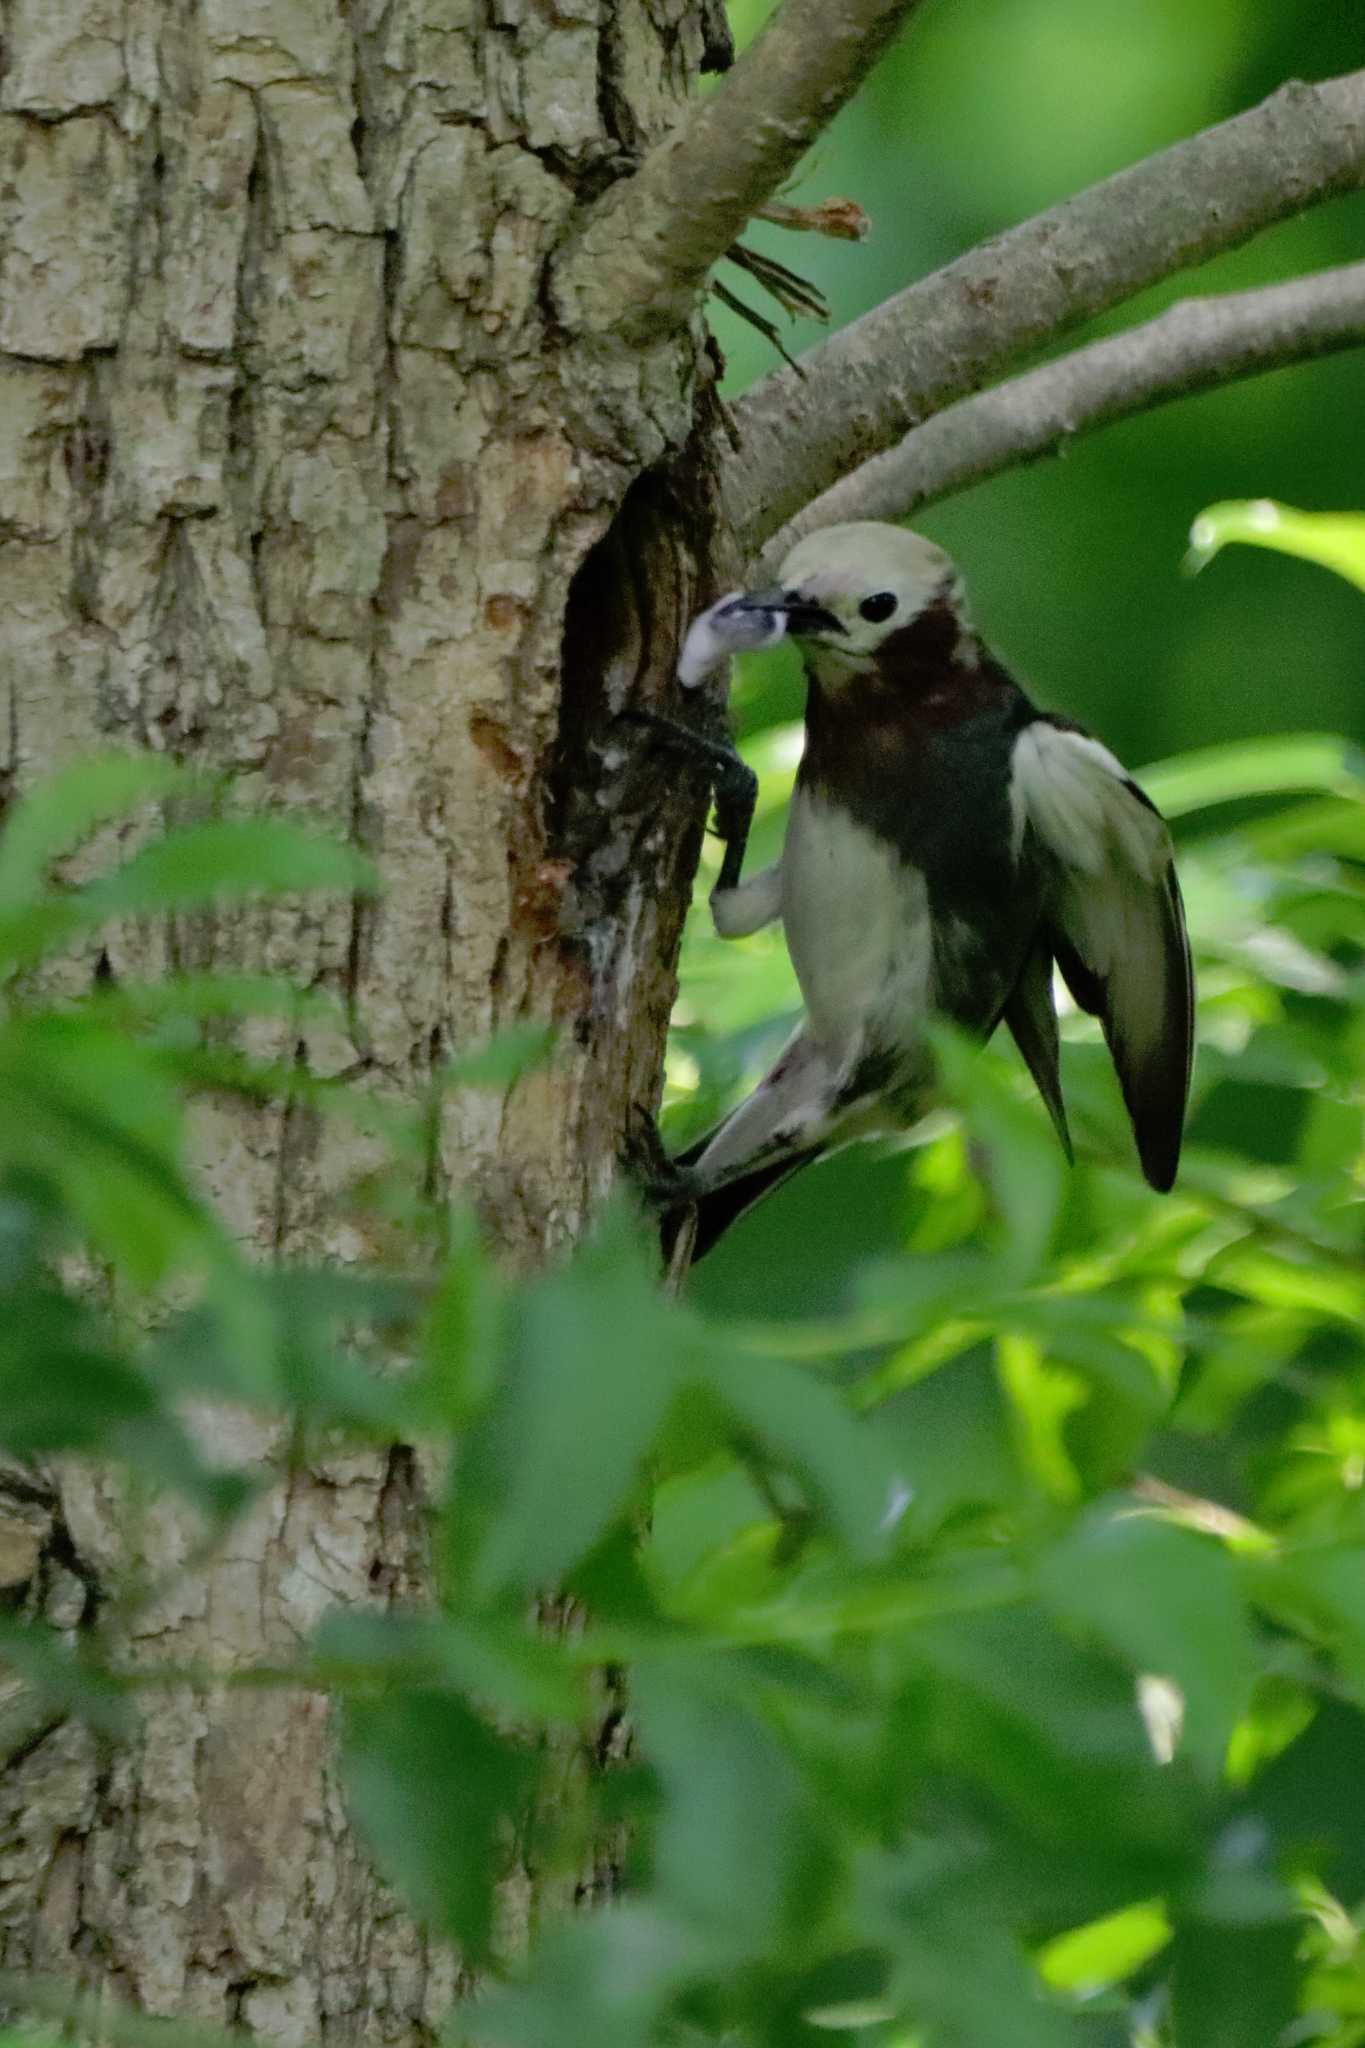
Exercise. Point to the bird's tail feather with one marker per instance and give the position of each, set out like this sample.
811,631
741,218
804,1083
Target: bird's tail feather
719,1207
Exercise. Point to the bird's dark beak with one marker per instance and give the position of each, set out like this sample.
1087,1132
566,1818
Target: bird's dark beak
801,616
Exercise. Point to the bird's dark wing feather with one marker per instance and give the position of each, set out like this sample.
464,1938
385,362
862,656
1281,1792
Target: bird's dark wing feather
1033,1023
717,1208
1115,922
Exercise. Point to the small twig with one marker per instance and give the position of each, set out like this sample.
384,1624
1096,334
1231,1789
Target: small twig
792,291
753,318
844,219
1190,347
953,331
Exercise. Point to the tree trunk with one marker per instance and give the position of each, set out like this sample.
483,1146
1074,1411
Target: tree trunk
301,481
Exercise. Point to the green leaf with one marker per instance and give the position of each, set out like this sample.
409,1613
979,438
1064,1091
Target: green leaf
434,1790
189,867
1280,1711
1336,540
971,1983
500,1665
64,1681
1288,1280
1312,1798
740,1851
804,1424
61,1389
58,1388
1324,1588
957,1969
822,1606
200,996
1233,1977
603,1983
1169,1600
462,1331
1050,1726
1042,1396
1081,1359
66,807
83,2014
699,1515
1088,1959
595,1351
89,1111
1289,762
198,864
217,1068
502,1060
326,1322
300,1337
1026,1170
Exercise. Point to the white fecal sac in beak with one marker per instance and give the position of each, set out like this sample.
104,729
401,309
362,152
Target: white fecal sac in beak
733,626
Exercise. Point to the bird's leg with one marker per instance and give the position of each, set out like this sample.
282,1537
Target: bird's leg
662,1183
739,912
735,792
678,1249
734,787
667,1190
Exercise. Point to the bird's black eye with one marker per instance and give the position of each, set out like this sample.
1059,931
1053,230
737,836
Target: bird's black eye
878,607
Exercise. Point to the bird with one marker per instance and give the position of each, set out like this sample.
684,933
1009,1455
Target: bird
948,844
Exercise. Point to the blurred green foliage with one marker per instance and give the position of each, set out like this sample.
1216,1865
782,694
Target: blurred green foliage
985,1546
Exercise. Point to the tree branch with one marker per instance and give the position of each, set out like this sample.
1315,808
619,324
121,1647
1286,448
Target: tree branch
946,335
641,257
1190,347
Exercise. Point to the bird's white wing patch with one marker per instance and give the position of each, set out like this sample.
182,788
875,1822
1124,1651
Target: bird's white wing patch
1080,800
1116,920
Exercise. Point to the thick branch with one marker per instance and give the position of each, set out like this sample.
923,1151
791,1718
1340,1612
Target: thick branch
1189,348
948,334
640,260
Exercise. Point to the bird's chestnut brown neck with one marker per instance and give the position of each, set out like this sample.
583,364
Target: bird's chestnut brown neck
930,674
899,745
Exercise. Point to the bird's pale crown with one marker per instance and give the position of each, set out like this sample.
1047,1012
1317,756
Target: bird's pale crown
856,571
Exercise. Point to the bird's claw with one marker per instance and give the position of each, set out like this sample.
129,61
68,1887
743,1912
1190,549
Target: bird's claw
660,1181
734,793
734,786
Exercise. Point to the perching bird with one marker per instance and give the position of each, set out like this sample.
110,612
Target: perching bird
947,843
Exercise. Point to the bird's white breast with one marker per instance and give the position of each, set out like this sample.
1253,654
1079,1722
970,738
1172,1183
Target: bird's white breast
857,925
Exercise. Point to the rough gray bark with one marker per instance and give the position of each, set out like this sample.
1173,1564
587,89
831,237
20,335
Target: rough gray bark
296,478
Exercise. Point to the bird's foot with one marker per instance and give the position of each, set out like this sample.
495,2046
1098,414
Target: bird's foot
658,1179
668,1190
734,785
